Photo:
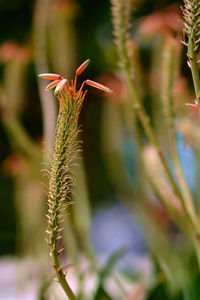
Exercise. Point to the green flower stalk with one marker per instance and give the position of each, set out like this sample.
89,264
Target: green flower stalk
191,15
66,148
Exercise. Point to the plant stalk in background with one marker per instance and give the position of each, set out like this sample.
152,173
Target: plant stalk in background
48,106
121,11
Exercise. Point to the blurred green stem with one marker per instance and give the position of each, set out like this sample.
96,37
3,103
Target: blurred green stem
41,65
82,223
73,251
138,107
120,20
188,201
21,139
174,213
169,69
196,241
71,243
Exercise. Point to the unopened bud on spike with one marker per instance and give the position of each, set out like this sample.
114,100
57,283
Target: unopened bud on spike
50,76
194,106
82,67
98,86
52,85
60,86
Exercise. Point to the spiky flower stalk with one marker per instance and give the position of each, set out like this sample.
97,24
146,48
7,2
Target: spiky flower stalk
191,15
121,13
66,149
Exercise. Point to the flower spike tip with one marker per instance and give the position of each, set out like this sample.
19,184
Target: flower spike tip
59,82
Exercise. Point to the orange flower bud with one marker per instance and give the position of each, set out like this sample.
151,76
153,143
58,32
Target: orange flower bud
50,76
194,106
60,86
52,85
98,86
82,67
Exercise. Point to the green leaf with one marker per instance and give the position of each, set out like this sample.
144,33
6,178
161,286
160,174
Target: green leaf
110,264
100,293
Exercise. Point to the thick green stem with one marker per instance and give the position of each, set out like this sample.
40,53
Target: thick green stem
61,277
54,253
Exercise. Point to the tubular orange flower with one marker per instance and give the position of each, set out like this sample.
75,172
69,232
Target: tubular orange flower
60,86
194,106
59,82
82,67
50,76
52,85
98,86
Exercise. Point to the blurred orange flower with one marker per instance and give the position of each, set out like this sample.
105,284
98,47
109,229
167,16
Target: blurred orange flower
11,50
166,21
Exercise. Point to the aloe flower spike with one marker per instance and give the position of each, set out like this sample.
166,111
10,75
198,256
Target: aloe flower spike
66,148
